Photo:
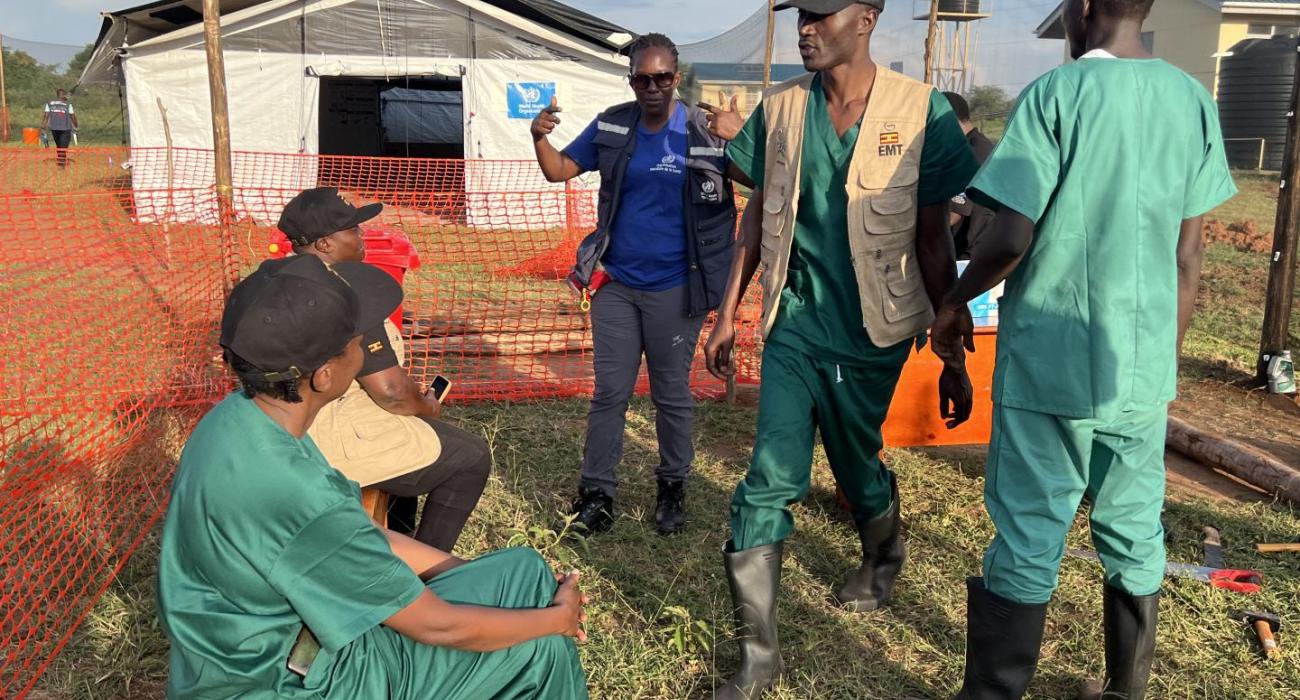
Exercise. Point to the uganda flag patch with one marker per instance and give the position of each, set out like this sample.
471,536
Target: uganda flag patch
889,138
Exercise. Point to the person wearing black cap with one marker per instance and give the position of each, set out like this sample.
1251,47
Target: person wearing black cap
853,166
272,580
382,432
967,218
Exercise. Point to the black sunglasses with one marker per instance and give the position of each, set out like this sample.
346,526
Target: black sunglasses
641,81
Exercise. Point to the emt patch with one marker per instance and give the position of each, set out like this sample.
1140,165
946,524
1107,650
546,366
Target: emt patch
890,143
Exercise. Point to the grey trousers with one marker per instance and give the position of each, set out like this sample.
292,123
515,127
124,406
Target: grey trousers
625,324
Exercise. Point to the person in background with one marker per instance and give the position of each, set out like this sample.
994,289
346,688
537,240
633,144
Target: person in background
853,166
272,580
384,432
1100,184
966,218
656,265
60,119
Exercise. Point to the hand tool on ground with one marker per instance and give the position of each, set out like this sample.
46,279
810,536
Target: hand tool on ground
1266,625
1213,548
1214,553
1268,548
1236,580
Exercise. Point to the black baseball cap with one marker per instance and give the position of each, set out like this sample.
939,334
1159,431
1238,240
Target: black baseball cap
293,314
316,213
826,7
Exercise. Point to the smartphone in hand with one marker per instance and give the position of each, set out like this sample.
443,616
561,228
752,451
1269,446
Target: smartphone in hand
439,388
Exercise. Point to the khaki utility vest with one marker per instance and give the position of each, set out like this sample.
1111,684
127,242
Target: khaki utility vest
882,188
365,442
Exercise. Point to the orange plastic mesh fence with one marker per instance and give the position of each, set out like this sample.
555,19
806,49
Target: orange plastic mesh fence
114,274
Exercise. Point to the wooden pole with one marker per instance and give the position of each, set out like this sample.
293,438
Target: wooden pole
1286,231
929,41
220,135
4,103
771,35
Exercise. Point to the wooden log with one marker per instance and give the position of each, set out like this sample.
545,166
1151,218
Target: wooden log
500,344
1240,460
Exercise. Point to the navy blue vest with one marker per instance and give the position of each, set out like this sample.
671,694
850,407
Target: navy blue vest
708,203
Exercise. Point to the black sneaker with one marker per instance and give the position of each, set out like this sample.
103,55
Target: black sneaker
594,510
670,507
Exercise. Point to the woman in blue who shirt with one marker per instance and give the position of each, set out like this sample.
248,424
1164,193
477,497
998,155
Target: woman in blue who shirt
659,256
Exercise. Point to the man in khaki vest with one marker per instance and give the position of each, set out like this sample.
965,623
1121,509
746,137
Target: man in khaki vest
852,167
381,433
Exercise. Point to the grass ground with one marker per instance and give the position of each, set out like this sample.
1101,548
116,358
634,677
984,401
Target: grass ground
660,626
650,594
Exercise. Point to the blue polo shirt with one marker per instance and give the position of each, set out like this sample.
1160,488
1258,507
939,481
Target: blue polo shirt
647,239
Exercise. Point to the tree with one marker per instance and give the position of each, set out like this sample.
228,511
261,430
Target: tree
29,84
78,62
987,100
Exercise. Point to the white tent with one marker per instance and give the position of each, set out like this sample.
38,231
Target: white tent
304,76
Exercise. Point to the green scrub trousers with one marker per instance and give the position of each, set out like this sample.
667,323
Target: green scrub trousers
1041,465
384,664
800,394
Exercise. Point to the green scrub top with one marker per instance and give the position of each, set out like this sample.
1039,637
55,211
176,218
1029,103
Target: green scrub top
820,311
1107,156
262,535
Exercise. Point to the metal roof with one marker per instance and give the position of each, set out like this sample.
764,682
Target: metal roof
1052,27
163,16
744,72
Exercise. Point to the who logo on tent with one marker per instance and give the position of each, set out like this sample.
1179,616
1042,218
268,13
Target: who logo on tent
527,100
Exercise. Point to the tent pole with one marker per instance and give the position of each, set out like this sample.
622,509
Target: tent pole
220,137
4,103
771,33
929,42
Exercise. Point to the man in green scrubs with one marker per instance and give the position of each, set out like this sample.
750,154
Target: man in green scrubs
273,583
1101,179
868,159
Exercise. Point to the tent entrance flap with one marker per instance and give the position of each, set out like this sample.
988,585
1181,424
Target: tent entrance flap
403,117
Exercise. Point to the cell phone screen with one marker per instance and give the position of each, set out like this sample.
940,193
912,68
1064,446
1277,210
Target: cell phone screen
439,388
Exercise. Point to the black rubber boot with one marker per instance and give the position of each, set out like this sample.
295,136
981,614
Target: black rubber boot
1130,624
670,507
883,553
1002,642
594,510
754,576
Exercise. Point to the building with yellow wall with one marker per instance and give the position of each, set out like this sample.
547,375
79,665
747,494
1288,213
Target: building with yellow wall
1195,34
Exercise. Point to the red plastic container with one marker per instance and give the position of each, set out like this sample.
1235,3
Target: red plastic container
387,248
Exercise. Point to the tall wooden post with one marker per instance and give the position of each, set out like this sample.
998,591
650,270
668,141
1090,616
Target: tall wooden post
1286,231
4,102
771,35
929,41
220,136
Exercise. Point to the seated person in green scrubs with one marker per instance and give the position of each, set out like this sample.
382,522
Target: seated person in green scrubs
273,582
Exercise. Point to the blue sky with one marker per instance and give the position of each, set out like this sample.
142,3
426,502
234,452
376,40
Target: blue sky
1007,53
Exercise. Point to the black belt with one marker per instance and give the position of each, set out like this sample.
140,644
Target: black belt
303,652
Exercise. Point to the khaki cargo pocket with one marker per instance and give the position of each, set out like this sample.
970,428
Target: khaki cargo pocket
775,210
903,289
891,211
371,439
